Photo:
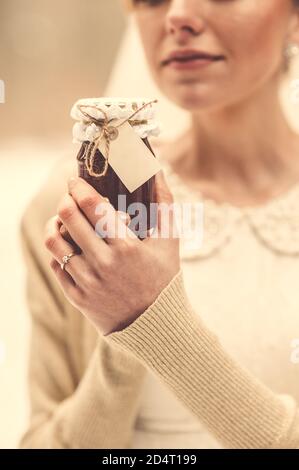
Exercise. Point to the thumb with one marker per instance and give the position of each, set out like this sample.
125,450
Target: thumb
163,193
165,209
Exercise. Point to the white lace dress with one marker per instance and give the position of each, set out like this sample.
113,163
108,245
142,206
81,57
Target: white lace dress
244,283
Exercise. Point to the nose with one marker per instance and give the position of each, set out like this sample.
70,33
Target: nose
183,19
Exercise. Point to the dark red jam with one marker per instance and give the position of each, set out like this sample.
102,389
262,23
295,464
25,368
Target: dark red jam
110,186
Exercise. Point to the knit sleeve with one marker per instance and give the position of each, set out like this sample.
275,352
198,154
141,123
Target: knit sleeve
69,411
240,411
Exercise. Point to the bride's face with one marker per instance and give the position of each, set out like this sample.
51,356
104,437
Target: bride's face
249,35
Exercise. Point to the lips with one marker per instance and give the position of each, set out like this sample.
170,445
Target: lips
189,55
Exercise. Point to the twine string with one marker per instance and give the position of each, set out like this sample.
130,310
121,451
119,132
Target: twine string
107,132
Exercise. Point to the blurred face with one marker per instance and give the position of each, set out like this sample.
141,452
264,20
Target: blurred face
246,39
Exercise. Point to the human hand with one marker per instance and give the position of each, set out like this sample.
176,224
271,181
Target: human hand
115,278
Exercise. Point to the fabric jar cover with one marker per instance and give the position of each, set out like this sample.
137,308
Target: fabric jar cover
115,108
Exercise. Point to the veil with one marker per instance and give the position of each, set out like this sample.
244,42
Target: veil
130,76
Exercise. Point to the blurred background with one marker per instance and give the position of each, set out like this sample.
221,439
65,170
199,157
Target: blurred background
53,52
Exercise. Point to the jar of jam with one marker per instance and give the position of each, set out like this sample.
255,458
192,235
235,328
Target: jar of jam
90,115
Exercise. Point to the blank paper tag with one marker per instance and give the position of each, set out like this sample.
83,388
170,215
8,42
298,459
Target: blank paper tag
130,158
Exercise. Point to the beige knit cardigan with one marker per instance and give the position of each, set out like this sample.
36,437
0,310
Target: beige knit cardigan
85,387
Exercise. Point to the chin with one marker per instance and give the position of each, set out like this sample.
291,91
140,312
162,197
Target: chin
193,98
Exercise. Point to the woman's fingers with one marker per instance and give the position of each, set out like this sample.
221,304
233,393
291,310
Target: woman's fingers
69,288
126,219
166,223
79,228
65,234
76,266
101,214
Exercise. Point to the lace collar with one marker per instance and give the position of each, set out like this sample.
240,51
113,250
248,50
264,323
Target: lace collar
275,224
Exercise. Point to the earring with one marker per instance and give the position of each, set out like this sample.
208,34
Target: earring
291,50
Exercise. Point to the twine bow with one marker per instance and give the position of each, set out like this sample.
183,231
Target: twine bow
107,132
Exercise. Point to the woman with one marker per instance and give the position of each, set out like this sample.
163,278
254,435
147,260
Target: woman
196,351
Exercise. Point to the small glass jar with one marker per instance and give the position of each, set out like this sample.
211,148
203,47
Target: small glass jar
109,184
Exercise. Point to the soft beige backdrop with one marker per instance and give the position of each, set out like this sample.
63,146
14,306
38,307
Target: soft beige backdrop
51,53
29,159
